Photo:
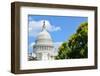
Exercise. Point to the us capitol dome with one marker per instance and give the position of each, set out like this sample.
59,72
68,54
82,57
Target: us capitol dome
43,47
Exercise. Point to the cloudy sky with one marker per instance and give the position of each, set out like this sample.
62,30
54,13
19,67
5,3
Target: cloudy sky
59,27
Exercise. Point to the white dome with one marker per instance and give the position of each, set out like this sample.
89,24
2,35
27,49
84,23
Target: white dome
44,38
44,35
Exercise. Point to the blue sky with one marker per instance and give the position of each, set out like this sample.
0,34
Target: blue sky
60,27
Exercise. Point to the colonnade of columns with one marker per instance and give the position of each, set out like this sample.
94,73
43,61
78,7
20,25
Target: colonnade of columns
43,47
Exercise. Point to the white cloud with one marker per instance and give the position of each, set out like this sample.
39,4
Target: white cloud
31,44
36,26
57,44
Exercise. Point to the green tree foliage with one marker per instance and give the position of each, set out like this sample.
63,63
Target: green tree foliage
76,46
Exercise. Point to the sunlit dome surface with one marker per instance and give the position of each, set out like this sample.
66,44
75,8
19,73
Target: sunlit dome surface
44,35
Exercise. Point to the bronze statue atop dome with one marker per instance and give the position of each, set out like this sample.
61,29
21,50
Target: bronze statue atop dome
43,27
